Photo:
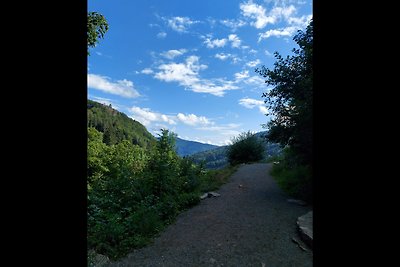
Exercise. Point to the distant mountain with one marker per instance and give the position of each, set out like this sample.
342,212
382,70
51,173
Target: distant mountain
213,158
186,147
117,126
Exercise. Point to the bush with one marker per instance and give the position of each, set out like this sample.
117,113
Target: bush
245,148
295,179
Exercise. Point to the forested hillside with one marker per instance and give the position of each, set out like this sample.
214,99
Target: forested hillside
186,147
212,159
117,126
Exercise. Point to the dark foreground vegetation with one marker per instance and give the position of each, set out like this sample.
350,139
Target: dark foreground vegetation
133,192
290,103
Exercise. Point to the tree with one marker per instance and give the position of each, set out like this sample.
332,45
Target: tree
290,101
97,26
245,148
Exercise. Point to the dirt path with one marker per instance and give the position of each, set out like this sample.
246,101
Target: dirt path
248,225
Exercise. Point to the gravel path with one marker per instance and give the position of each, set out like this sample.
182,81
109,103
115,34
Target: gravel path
248,225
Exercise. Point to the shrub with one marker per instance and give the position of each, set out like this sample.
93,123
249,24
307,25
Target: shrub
245,148
295,179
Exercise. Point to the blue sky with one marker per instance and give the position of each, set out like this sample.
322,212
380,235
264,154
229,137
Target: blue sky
188,65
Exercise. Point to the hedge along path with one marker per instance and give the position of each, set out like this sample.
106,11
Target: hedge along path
251,223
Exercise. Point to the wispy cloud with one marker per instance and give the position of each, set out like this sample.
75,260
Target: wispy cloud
193,120
253,63
223,56
235,40
281,32
301,22
180,24
257,13
124,88
161,35
254,103
230,129
153,119
147,71
267,53
233,24
187,75
212,133
171,54
146,116
253,81
242,75
294,23
261,18
216,42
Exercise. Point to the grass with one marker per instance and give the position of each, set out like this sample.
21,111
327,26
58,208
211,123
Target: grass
214,179
295,181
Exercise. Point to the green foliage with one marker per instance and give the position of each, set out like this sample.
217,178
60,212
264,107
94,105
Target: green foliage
116,126
245,148
133,192
290,101
213,179
217,158
212,159
97,26
295,179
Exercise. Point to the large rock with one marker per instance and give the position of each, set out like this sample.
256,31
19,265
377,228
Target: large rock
305,226
98,260
213,194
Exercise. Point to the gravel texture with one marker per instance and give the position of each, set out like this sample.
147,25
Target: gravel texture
250,224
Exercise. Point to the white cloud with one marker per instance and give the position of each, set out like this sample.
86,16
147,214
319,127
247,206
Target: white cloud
268,53
161,35
300,22
252,103
235,40
282,12
215,43
256,12
122,88
193,120
253,51
170,54
242,75
233,24
227,129
180,24
255,80
285,2
253,63
288,31
260,17
222,56
236,59
147,71
187,75
146,116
